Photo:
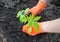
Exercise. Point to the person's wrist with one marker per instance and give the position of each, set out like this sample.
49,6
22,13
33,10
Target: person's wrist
46,26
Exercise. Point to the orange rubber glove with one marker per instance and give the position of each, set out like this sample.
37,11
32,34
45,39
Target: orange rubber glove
52,26
33,32
38,8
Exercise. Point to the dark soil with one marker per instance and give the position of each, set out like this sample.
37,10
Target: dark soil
10,27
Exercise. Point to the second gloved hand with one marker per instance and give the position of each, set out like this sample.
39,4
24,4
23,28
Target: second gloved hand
33,32
38,8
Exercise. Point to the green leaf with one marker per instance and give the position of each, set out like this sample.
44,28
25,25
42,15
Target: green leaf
26,11
23,19
30,23
19,14
30,17
37,18
29,30
36,25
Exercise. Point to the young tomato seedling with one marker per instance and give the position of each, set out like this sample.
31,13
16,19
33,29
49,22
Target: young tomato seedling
30,20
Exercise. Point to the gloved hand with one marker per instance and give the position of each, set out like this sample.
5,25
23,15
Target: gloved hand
52,26
38,8
33,32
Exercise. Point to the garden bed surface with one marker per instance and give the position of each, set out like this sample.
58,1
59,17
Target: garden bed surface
10,26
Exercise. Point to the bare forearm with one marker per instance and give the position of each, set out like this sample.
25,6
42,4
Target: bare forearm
52,26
